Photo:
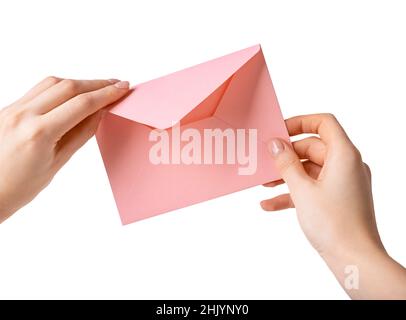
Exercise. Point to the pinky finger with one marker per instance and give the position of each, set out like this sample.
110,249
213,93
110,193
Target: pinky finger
281,202
39,88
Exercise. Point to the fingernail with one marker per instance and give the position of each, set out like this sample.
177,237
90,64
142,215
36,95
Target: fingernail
122,84
113,80
275,146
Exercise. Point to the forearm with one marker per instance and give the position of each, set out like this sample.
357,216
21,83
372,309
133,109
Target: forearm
368,273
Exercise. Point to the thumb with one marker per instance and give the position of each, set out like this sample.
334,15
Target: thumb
288,164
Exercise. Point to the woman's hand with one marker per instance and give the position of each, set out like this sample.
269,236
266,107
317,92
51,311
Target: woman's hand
331,190
42,130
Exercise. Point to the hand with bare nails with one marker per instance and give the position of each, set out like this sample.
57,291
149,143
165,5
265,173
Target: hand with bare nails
43,129
330,187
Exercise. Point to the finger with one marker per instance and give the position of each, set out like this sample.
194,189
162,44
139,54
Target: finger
69,114
274,183
312,169
76,138
326,125
39,88
63,91
281,202
288,164
311,148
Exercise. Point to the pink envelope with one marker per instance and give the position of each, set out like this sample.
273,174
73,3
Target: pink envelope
231,92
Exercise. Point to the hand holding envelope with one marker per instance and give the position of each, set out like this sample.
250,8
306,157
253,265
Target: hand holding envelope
184,138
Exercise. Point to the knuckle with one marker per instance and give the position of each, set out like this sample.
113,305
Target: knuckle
287,164
51,80
84,100
10,119
352,155
330,117
35,132
110,92
70,86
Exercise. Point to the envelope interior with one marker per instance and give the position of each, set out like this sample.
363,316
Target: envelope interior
207,107
190,94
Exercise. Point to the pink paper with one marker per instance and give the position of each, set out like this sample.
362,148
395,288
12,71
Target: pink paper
234,91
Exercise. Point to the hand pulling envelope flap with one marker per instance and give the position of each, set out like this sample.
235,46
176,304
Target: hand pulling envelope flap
232,94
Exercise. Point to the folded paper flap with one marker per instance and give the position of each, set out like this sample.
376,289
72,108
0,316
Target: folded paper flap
162,102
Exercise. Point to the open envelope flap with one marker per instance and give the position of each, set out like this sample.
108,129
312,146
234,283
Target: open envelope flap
162,102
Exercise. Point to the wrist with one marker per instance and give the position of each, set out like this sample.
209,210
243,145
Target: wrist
354,249
367,271
351,262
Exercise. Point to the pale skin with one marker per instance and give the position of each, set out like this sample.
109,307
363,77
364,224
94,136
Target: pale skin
330,187
43,129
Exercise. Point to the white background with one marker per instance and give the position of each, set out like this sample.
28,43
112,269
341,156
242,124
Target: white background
343,57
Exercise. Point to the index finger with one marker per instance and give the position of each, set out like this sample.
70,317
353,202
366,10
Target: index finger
69,114
323,124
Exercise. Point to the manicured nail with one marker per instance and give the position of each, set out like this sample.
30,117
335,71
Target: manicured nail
276,147
122,85
113,80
